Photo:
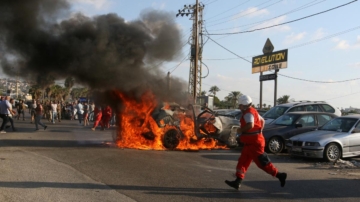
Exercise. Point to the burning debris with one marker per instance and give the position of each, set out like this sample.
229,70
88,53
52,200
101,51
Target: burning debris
141,126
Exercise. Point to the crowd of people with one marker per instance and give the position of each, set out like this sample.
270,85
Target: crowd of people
55,111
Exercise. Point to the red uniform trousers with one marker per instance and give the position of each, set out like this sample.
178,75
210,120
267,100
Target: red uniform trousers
98,120
253,147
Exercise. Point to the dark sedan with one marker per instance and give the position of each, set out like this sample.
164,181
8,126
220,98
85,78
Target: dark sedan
291,124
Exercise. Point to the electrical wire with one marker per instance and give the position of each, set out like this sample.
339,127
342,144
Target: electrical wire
228,10
299,45
210,2
175,67
228,50
313,81
230,16
242,32
343,96
341,81
266,20
207,69
211,25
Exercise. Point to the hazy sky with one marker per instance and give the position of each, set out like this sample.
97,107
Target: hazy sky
322,48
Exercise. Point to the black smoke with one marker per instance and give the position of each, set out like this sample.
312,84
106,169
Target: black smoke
101,52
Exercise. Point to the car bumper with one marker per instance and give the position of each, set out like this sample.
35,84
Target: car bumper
306,152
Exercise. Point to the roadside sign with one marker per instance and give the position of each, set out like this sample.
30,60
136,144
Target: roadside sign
267,77
270,61
268,47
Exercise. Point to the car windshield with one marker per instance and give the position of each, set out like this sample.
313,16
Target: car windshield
275,112
339,124
286,119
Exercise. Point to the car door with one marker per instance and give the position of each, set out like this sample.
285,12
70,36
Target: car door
308,124
354,140
322,119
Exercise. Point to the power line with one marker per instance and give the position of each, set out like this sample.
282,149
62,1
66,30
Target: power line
289,12
284,22
175,67
299,45
289,76
319,81
211,2
211,25
228,50
229,9
343,96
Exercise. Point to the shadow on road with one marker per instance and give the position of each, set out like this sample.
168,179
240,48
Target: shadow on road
52,143
300,189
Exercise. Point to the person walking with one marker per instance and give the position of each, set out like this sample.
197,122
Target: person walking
5,106
21,110
80,111
97,118
251,135
32,111
86,114
53,111
39,112
106,116
58,110
91,111
11,114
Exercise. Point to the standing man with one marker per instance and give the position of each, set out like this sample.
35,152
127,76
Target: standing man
39,112
4,112
80,111
53,111
251,135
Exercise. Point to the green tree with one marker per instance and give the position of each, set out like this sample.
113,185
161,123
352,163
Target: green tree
233,97
283,99
69,82
264,105
36,91
203,92
214,89
79,92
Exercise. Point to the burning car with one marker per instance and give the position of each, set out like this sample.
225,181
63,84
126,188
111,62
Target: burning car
145,125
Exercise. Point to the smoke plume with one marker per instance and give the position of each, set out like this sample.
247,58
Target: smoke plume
102,52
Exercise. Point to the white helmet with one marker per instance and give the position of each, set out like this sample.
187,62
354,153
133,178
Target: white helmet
245,100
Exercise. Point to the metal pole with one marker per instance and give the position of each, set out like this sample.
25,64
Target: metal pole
261,91
196,50
275,90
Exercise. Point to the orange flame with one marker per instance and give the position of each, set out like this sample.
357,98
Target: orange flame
139,130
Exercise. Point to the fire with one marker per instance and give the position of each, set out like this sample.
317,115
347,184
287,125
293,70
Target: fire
139,130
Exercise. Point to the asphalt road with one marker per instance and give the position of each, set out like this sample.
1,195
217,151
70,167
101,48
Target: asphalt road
69,162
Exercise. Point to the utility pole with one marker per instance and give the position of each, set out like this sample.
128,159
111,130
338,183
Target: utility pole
195,11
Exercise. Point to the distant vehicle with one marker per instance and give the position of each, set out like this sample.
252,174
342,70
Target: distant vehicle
291,124
338,138
313,106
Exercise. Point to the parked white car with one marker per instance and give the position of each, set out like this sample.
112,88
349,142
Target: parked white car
317,106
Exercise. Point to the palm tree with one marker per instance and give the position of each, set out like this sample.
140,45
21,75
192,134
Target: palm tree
214,90
264,105
69,82
203,93
283,99
233,97
35,91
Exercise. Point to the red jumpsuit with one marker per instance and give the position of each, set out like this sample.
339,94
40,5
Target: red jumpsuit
97,117
254,144
106,116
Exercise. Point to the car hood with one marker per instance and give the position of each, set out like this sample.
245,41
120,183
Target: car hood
315,136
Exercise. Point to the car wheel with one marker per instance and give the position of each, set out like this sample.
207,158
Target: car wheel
275,145
171,139
332,152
